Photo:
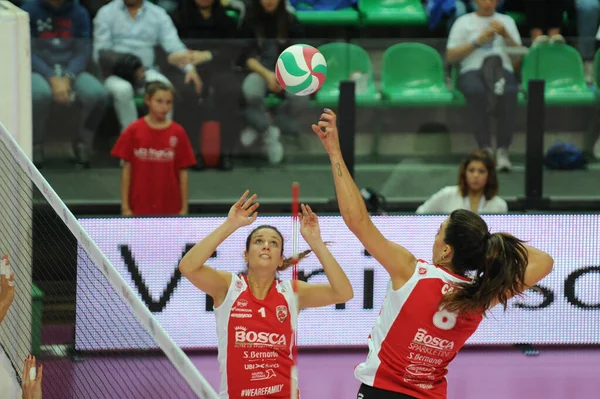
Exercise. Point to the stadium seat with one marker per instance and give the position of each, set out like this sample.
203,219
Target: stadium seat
272,101
392,12
344,17
413,74
596,71
140,102
343,59
561,67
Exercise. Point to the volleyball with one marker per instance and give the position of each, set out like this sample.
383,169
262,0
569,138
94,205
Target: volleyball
301,70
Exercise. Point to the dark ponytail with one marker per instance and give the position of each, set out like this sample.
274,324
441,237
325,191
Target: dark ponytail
498,262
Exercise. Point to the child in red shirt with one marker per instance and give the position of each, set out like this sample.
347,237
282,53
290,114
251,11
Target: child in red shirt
156,154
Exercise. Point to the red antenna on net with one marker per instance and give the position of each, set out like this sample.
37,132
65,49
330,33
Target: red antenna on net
295,238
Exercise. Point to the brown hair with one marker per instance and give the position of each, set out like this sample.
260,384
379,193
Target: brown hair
153,87
498,262
287,262
491,187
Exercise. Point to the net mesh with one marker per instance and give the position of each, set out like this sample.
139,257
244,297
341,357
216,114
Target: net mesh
55,263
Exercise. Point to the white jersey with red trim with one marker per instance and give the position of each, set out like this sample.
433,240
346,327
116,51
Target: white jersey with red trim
255,341
413,340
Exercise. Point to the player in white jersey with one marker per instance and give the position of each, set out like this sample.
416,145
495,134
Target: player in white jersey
429,310
255,311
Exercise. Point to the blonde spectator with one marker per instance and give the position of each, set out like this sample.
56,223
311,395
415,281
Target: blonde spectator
477,189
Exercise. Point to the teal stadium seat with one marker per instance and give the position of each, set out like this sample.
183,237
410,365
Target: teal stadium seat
561,68
392,12
413,75
344,59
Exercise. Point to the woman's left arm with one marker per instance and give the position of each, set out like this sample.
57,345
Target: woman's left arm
339,289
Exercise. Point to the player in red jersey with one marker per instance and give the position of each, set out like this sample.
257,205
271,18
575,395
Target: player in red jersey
429,310
255,311
156,153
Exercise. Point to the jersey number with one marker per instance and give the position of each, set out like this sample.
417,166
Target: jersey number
444,320
262,312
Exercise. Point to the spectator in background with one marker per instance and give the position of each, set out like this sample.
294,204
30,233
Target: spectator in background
477,189
206,27
135,27
60,52
156,154
545,19
477,42
270,26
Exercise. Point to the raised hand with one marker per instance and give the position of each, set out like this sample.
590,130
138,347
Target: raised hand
327,131
243,212
309,224
7,284
32,379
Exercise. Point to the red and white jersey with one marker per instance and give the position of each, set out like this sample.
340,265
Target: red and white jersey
255,341
413,340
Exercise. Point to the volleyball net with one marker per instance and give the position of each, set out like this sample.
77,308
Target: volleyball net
46,245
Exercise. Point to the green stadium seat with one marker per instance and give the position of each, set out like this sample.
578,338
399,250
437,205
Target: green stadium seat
272,101
561,67
234,14
413,74
344,17
596,66
392,12
140,102
343,59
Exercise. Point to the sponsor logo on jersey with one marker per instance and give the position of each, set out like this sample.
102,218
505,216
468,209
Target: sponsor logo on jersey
173,141
253,355
281,312
420,369
150,154
262,375
242,303
244,336
422,271
264,366
425,338
446,289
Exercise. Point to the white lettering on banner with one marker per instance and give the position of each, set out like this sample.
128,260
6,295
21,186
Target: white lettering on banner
253,392
150,154
260,355
258,338
568,296
424,338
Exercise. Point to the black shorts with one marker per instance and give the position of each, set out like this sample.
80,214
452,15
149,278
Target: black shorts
367,392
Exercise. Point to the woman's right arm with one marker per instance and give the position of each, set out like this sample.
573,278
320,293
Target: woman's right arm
213,282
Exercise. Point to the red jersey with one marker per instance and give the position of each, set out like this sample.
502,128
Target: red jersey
413,340
156,157
255,341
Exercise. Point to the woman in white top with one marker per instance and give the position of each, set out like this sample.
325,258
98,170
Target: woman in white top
478,43
477,189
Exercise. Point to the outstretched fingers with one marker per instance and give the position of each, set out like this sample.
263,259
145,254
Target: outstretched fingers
249,201
242,198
